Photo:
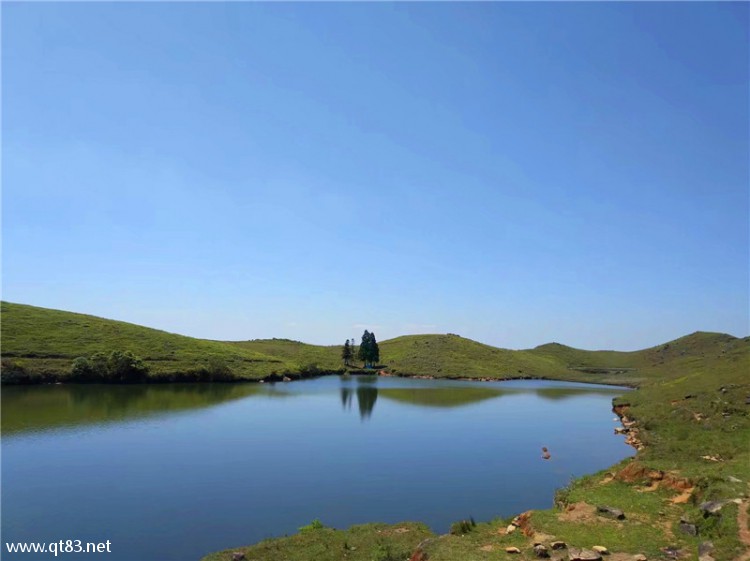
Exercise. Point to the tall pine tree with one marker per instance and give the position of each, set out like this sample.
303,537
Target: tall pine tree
369,352
346,353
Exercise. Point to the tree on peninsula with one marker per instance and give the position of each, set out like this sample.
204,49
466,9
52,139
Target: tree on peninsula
369,352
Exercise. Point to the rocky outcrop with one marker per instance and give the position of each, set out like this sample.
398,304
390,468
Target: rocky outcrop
577,554
610,512
688,527
629,426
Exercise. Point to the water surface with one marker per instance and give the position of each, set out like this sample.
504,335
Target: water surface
172,472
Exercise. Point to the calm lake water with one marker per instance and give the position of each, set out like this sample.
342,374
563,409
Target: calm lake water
173,472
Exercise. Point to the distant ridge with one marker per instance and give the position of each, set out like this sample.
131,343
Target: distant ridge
43,342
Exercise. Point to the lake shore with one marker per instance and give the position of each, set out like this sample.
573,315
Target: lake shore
683,495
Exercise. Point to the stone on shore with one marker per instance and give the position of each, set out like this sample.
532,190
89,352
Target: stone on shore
610,512
576,554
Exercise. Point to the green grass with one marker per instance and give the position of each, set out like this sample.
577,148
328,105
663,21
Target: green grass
367,542
44,342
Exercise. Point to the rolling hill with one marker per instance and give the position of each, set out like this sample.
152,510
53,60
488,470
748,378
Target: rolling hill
39,345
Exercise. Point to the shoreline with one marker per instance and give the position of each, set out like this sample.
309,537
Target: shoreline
298,376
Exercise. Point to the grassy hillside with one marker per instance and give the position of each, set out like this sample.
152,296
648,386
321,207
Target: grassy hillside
42,343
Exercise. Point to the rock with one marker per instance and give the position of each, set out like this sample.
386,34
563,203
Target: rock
558,545
540,550
238,556
705,548
610,512
671,551
706,558
510,529
688,528
576,554
512,550
640,557
601,549
733,479
621,430
711,507
286,379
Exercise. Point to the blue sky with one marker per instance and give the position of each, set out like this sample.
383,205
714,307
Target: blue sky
514,173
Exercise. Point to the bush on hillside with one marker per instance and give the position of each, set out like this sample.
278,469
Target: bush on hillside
117,366
12,372
463,526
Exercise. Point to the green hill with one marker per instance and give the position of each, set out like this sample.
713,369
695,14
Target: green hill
44,342
40,344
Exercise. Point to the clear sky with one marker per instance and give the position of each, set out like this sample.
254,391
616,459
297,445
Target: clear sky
514,173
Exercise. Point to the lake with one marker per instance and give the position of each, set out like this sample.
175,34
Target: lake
172,472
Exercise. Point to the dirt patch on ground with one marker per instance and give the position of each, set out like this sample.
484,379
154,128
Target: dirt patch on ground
607,479
578,512
653,478
620,557
399,530
539,537
743,523
683,497
487,548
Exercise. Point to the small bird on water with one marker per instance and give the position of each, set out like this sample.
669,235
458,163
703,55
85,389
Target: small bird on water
545,453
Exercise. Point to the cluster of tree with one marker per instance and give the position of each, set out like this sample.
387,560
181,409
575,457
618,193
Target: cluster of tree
117,366
368,353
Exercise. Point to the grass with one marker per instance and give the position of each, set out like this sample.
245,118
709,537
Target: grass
691,405
367,542
44,342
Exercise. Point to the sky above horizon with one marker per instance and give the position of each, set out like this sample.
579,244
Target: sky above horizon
516,173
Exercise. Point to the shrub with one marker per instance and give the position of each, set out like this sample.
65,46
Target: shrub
385,552
118,366
463,526
311,369
314,525
12,372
